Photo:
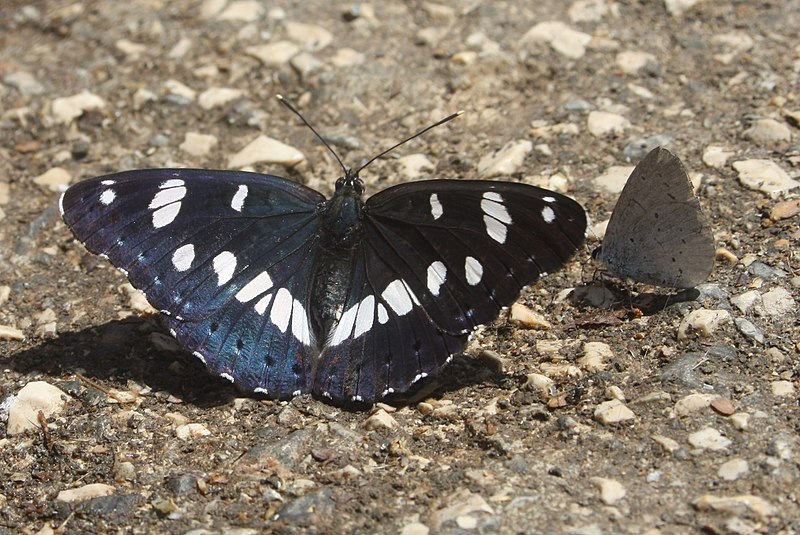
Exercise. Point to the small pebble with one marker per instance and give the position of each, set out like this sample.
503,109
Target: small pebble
743,505
24,408
716,156
347,57
723,406
180,49
561,38
412,166
692,403
86,492
614,179
192,430
198,144
24,82
415,528
310,37
764,176
590,10
740,420
218,96
733,469
669,445
745,301
603,123
525,317
174,87
537,381
631,61
611,490
768,132
8,332
702,323
778,302
612,412
66,109
677,8
142,97
505,161
54,179
749,330
595,356
267,150
785,210
380,420
710,439
240,11
782,388
305,63
133,51
278,53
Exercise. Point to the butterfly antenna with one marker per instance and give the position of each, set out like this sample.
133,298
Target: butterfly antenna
390,149
294,110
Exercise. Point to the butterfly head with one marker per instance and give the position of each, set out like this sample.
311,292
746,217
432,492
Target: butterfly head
350,183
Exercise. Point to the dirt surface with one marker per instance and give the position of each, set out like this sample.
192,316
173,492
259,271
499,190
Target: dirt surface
711,442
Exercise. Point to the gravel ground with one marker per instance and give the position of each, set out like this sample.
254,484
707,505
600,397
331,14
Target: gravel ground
680,420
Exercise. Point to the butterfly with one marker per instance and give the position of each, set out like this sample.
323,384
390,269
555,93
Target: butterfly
282,291
658,233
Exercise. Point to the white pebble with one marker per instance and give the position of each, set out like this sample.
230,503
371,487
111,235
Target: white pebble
198,144
66,109
527,318
24,82
590,10
309,36
411,166
142,97
778,302
631,61
505,161
132,51
277,53
782,388
217,96
242,11
54,179
174,87
745,301
194,430
679,7
305,63
611,490
702,323
741,505
709,439
347,57
267,150
563,39
595,356
380,420
86,492
768,132
614,179
764,176
692,403
733,469
613,411
24,408
603,123
8,332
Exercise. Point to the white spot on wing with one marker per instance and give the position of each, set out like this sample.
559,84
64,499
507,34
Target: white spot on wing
496,209
200,356
436,206
183,257
61,203
549,199
437,272
397,297
493,196
473,270
171,183
495,229
166,215
238,199
261,390
345,326
281,309
108,196
108,182
365,317
260,284
224,266
383,314
227,376
167,196
548,214
300,327
263,303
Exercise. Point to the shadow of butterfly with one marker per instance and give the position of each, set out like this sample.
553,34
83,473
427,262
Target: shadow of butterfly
658,233
283,291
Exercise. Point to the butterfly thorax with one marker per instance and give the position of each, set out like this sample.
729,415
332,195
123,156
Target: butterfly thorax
341,232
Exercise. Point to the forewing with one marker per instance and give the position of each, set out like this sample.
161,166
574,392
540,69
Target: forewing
227,256
438,259
658,233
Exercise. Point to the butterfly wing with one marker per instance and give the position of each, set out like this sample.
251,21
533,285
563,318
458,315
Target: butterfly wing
227,256
438,258
657,233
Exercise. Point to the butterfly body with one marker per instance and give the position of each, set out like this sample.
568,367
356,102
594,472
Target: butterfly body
283,291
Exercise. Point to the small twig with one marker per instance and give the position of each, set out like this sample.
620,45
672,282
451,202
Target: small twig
99,387
48,442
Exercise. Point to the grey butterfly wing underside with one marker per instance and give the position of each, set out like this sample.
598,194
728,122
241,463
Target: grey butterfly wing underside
658,233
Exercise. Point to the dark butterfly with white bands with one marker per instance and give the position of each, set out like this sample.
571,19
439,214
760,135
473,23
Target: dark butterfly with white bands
283,291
